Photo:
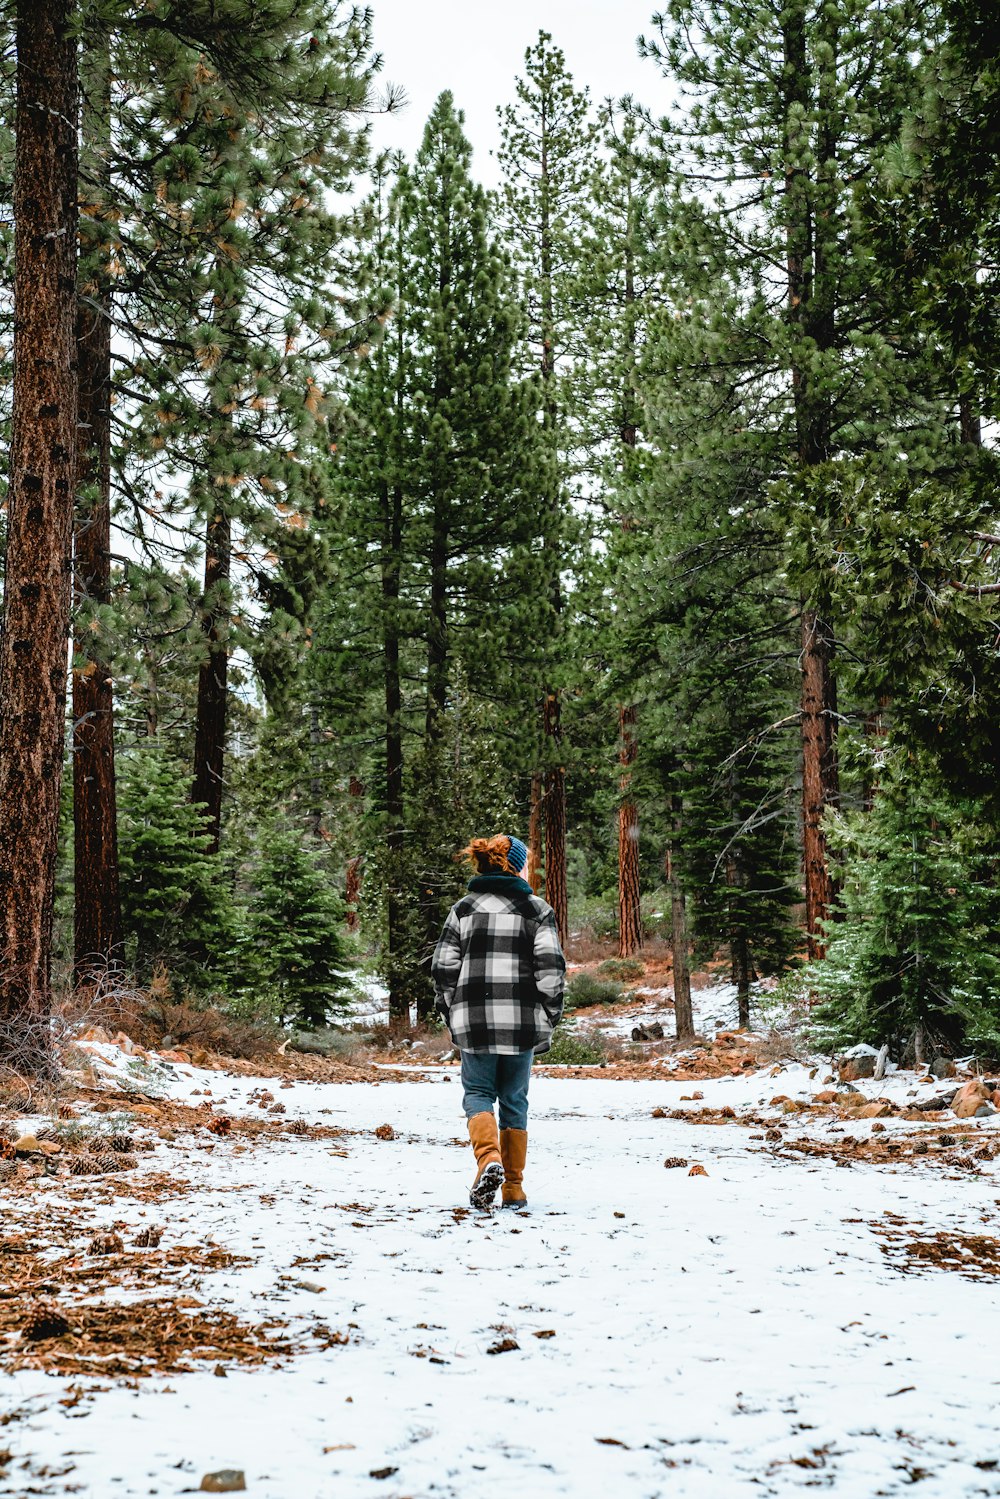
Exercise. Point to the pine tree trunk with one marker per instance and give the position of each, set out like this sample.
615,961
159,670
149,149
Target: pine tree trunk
210,723
740,954
315,781
533,870
554,812
352,890
683,1014
36,602
629,908
811,292
392,542
819,784
98,935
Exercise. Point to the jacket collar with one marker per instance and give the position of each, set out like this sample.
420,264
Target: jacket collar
499,884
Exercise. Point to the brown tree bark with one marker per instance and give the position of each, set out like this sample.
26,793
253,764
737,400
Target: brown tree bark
210,722
98,935
819,774
36,602
352,890
533,870
811,294
629,908
740,956
683,1014
392,542
554,814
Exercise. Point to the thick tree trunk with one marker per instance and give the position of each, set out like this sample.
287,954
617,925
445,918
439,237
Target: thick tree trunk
811,296
98,933
740,954
534,866
819,775
213,700
629,909
683,1014
352,890
392,541
36,602
554,812
437,707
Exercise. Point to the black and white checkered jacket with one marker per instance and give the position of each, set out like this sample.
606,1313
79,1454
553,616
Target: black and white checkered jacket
498,968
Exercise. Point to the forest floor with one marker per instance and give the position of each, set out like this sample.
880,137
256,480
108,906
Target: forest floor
815,1309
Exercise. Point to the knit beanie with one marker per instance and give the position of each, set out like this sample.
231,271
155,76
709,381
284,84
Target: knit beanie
517,855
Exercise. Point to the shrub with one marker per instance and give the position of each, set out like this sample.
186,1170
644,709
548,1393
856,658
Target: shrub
294,949
622,969
595,916
916,945
587,989
570,1049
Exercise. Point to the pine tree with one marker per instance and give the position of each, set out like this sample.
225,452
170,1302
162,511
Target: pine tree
618,282
547,141
176,905
440,528
783,125
294,948
36,601
914,961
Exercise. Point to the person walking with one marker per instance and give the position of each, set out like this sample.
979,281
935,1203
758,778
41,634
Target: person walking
499,974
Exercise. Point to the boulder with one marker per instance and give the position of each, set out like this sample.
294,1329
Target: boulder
877,1109
827,1096
970,1098
31,1145
226,1481
857,1063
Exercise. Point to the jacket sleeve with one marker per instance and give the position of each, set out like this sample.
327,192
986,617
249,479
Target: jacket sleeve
550,967
446,964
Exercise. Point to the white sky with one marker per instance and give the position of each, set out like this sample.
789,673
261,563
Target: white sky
477,50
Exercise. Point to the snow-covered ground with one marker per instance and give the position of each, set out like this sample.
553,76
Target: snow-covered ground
740,1333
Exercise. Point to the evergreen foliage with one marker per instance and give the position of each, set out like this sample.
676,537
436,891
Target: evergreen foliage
177,908
915,952
293,948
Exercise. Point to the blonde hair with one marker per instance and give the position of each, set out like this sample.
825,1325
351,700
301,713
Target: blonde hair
486,854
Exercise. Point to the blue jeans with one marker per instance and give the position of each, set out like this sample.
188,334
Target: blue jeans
487,1077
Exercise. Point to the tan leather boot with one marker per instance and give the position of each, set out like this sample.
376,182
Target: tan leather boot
513,1152
483,1134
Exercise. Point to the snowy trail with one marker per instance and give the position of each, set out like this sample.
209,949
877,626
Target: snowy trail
723,1335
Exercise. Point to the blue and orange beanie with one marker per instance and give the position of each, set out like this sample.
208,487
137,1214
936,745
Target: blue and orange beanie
502,854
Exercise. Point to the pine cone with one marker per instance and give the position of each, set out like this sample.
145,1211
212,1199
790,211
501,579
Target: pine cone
265,1098
47,1132
122,1143
112,1162
8,1170
386,1132
84,1165
148,1238
220,1125
276,1108
109,1243
7,1151
66,1111
7,1132
44,1321
298,1127
99,1144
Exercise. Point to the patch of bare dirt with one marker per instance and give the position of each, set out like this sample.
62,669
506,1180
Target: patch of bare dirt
914,1251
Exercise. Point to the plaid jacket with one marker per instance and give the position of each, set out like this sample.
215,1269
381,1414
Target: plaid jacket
498,968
